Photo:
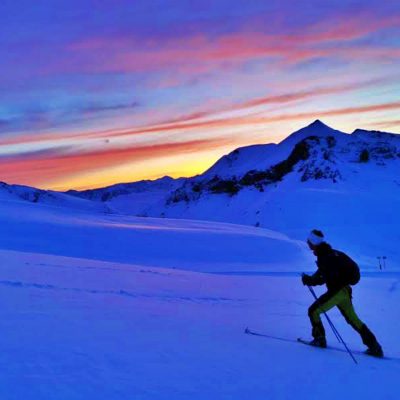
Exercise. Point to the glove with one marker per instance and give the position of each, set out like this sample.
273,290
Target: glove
306,279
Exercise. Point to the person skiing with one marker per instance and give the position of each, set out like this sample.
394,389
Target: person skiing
337,271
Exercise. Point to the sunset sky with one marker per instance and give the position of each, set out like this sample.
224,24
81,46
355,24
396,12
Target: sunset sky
95,92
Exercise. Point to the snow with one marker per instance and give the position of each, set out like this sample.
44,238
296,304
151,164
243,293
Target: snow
263,156
156,242
110,306
132,198
98,303
354,203
18,193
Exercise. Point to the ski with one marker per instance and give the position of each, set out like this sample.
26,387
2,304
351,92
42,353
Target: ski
305,342
249,332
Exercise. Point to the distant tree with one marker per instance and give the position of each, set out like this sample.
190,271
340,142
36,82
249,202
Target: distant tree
331,141
196,188
229,186
364,156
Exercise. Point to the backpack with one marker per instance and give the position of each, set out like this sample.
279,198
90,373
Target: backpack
349,269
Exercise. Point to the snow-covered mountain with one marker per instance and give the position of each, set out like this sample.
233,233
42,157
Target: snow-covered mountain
20,193
314,154
263,156
132,198
121,189
348,185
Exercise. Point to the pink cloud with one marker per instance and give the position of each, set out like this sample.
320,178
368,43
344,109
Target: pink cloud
348,29
208,119
205,117
256,119
200,54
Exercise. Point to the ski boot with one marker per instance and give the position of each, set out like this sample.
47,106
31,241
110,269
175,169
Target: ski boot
318,342
375,351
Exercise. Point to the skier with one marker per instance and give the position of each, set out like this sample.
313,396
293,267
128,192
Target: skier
337,271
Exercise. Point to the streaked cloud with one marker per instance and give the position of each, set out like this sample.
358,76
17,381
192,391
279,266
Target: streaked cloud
54,166
257,119
198,54
394,123
208,117
93,109
87,91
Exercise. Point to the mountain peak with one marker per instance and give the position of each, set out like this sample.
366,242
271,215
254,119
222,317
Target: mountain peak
318,124
316,128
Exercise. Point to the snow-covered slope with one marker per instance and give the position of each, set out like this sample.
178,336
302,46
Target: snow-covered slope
263,156
26,194
198,245
132,198
85,314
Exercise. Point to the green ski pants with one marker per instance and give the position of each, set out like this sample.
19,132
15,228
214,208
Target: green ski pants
343,301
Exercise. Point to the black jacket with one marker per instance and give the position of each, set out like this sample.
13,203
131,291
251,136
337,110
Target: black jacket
329,269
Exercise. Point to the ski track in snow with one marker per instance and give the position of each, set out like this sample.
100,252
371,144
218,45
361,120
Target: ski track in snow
121,292
113,269
87,312
173,345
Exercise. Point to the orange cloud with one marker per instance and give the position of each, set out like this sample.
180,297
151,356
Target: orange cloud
46,168
43,169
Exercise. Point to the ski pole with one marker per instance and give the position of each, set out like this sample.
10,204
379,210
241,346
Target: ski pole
335,331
